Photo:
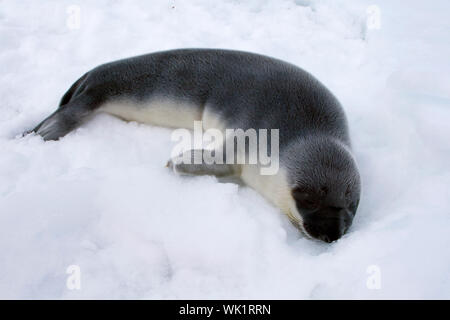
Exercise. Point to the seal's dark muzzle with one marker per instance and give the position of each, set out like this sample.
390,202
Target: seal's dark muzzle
327,224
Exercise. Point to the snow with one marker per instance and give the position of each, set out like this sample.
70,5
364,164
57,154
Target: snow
101,198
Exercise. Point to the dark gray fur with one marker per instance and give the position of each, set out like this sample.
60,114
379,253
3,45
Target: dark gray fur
247,91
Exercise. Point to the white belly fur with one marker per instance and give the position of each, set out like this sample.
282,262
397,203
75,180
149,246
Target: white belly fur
159,112
275,188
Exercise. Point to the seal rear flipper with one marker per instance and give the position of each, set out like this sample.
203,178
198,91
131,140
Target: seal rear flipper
70,114
64,120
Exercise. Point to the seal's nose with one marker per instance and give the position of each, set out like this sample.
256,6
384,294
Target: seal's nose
330,233
328,224
325,238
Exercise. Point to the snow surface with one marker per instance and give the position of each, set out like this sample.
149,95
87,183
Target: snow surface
102,199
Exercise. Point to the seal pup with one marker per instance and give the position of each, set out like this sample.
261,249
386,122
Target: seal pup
317,184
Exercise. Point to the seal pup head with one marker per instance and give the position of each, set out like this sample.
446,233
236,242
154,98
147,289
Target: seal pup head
325,185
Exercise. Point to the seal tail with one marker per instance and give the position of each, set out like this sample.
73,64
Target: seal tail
73,110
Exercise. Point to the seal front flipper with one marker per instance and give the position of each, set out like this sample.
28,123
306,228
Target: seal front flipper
192,162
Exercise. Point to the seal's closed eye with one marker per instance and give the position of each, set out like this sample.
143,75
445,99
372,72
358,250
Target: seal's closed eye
306,200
